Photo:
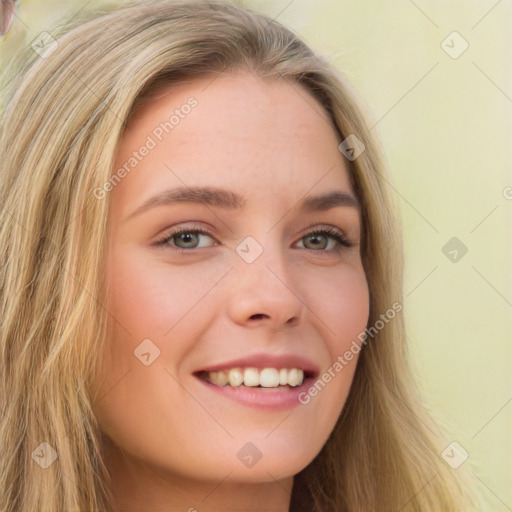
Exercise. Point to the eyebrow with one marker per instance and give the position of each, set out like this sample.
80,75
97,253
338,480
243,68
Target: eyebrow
229,200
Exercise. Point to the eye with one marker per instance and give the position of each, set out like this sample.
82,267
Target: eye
187,239
183,238
320,240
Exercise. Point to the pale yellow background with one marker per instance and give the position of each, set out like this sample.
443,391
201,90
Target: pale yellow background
445,125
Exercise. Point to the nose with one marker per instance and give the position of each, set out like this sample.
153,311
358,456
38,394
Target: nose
264,292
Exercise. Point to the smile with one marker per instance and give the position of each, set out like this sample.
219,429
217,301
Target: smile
253,377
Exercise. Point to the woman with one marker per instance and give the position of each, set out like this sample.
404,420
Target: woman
264,369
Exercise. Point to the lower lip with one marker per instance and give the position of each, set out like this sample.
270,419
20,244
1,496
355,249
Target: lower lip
275,399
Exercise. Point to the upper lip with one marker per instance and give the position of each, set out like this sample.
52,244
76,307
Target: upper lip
261,361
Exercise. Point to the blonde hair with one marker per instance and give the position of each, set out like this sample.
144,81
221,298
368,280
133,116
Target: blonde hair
63,118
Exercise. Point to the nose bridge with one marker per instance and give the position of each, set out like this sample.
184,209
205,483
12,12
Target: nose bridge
263,259
264,286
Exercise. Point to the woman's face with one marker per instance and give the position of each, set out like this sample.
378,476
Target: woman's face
260,284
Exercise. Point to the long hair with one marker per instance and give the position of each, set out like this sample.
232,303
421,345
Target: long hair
66,107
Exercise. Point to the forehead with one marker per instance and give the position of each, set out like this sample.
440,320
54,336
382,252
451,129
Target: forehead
235,87
233,129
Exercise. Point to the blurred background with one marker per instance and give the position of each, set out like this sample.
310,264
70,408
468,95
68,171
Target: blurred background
435,78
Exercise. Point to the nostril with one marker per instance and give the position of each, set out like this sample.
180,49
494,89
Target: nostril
258,316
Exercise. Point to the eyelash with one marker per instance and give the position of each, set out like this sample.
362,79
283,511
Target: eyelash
341,240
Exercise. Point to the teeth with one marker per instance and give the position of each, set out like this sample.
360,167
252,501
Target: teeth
252,377
235,377
269,378
222,379
295,377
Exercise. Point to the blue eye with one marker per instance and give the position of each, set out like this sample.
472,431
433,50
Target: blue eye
187,239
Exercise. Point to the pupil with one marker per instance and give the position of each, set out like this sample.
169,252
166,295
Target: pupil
187,237
315,239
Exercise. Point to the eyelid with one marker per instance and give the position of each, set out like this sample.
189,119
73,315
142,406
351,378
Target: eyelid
331,232
172,232
308,228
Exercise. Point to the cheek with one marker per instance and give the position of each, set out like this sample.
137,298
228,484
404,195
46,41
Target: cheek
339,299
148,297
338,304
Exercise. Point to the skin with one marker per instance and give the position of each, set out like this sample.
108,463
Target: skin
171,443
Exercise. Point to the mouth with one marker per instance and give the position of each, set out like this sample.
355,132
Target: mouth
264,389
257,378
270,382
